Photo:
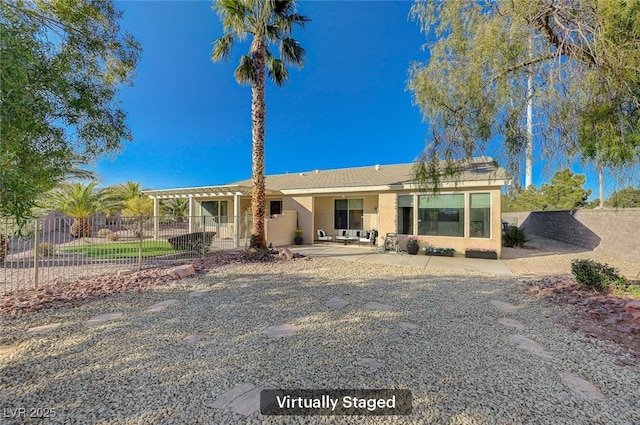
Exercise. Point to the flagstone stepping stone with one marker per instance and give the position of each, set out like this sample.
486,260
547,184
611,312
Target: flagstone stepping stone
279,331
511,323
372,363
379,306
584,388
336,303
194,339
95,320
242,279
196,294
530,345
502,306
243,399
43,329
7,350
408,326
161,305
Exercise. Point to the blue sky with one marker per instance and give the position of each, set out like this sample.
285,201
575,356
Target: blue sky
347,107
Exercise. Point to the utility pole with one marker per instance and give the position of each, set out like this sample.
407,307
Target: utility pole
528,181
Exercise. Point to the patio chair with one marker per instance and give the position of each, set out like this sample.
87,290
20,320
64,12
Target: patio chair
370,238
323,237
391,243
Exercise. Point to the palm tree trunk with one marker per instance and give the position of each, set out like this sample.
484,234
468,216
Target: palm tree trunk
258,115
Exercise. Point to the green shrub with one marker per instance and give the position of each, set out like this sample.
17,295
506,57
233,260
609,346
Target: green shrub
46,249
514,237
597,276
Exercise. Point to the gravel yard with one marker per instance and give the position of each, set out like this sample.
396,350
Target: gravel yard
547,257
463,344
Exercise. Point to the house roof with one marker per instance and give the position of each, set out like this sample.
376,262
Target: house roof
481,171
396,176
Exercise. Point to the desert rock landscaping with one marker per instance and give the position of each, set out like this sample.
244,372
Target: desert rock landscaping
471,348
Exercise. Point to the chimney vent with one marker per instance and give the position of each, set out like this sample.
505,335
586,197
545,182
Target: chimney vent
377,167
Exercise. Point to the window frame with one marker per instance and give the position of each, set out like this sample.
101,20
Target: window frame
347,214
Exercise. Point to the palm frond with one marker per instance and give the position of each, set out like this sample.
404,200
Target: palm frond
291,52
245,73
233,14
277,71
222,47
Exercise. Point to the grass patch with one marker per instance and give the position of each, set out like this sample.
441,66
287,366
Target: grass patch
631,291
123,249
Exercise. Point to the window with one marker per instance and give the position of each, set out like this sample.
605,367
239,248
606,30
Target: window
275,207
480,215
349,214
441,215
405,214
217,210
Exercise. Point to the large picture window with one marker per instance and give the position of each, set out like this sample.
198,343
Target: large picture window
441,215
349,214
480,215
405,214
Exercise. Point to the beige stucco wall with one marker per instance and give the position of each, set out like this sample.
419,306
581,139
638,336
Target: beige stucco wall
281,230
387,214
304,206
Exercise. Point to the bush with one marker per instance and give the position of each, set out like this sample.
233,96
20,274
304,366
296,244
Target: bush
514,237
104,232
112,236
46,249
597,276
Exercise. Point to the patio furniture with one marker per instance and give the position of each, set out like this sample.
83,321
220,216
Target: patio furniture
348,236
391,243
323,237
370,238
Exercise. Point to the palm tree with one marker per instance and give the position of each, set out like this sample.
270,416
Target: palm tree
265,22
78,201
114,197
176,207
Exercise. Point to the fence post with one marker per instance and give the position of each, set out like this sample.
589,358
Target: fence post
140,235
36,254
204,230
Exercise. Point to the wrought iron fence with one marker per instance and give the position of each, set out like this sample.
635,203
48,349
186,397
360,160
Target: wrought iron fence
55,249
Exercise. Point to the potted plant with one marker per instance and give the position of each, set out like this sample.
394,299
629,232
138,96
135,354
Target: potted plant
412,245
297,239
438,251
490,254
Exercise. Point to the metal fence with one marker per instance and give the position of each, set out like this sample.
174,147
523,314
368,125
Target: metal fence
55,249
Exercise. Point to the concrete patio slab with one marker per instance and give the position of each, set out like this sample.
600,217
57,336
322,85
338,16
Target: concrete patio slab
426,262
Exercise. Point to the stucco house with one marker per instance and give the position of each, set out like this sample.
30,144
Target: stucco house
464,213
